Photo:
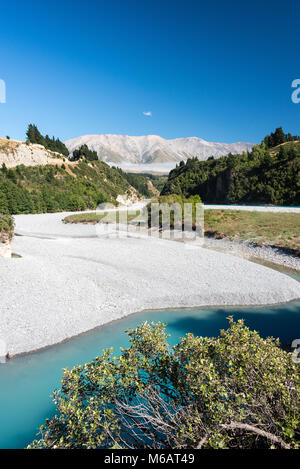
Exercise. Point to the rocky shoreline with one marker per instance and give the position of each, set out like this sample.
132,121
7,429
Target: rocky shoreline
250,250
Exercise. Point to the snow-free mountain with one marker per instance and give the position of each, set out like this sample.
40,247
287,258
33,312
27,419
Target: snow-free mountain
149,149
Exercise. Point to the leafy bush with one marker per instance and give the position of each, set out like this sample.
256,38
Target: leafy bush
6,227
172,205
84,152
278,137
234,391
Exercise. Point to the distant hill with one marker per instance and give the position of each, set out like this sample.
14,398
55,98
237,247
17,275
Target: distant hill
263,176
152,149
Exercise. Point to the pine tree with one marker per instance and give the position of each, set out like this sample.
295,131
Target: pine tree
53,144
278,137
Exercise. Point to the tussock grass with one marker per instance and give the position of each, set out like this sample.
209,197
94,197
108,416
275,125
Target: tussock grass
279,229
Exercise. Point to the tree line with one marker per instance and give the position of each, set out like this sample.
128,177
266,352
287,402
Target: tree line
84,152
54,144
278,137
265,175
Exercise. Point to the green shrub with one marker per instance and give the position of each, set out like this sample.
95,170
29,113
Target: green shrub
160,208
234,391
6,227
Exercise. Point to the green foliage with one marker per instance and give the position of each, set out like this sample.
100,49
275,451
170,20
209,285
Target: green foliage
234,391
6,226
138,181
53,144
262,228
84,152
158,180
106,217
278,137
265,176
39,189
168,211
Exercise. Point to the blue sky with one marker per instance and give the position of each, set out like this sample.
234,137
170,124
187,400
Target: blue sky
220,70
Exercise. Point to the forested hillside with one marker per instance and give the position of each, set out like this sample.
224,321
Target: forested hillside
139,182
266,175
67,186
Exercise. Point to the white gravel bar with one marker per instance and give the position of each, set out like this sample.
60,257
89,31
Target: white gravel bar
253,208
69,281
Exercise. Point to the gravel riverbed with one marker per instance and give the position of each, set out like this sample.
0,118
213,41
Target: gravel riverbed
70,280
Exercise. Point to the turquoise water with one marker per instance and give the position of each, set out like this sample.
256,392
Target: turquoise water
26,383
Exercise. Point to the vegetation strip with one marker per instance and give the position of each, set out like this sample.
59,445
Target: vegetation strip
107,217
262,228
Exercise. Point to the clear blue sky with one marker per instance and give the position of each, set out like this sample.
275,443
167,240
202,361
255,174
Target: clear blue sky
220,70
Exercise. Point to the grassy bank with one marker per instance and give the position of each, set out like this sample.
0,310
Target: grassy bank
278,229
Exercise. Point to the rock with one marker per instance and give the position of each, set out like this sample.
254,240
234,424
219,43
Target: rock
5,249
14,153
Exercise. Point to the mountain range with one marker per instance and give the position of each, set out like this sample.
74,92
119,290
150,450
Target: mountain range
150,149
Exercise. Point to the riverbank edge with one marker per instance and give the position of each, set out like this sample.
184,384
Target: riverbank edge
187,308
171,307
251,251
247,249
